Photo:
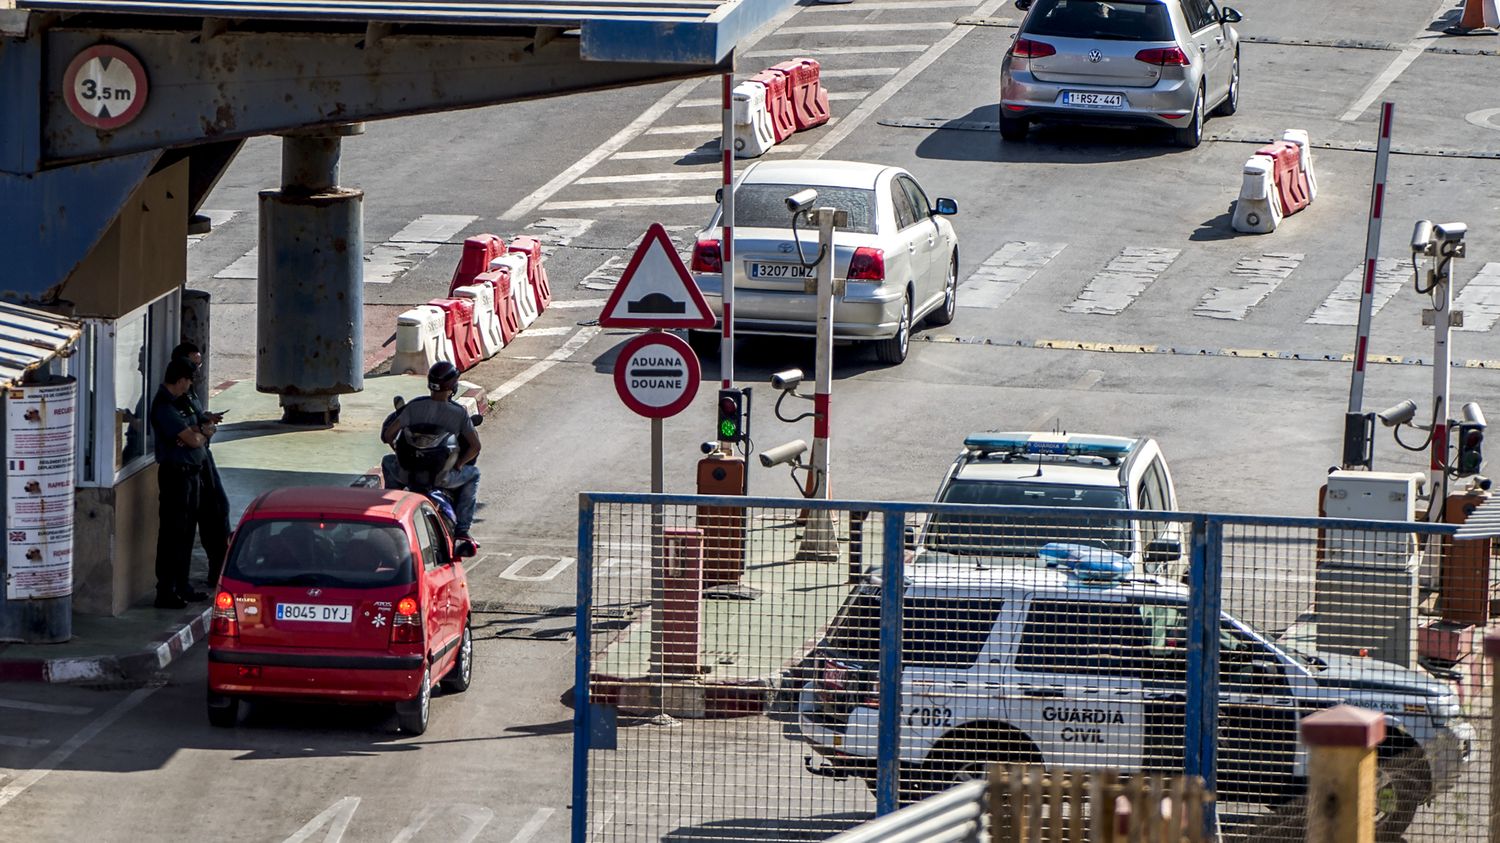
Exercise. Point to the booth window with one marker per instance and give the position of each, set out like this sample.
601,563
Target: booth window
123,362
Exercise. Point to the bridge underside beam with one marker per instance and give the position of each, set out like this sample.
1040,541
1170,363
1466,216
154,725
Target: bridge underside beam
210,81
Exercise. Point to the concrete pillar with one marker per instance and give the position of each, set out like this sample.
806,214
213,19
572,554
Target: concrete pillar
310,315
1341,762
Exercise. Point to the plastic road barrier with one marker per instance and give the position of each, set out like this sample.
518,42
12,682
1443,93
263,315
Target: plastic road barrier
498,280
536,272
421,340
479,250
458,325
486,321
1291,186
778,103
1304,151
809,99
753,134
1258,210
514,265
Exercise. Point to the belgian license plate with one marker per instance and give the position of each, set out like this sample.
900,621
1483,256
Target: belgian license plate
780,270
314,612
1091,100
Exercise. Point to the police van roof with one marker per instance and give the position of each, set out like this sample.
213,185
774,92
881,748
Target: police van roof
962,576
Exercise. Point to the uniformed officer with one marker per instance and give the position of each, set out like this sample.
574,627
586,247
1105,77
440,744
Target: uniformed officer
181,452
213,509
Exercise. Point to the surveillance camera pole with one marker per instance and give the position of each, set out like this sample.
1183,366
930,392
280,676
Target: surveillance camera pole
818,538
1442,319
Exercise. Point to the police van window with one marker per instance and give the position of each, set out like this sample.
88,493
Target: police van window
989,535
936,631
1092,638
1152,498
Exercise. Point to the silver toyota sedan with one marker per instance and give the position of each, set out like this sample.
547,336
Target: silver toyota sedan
898,254
1142,62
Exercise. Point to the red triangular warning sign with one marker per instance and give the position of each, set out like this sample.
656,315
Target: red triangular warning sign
656,290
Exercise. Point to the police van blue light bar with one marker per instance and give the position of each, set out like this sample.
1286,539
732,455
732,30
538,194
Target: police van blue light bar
1086,562
1075,445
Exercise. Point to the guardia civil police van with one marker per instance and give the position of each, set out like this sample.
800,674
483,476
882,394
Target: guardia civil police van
1068,470
1078,662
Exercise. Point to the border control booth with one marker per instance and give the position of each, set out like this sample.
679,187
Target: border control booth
118,117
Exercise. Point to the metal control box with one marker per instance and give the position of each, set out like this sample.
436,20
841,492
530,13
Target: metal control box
1373,495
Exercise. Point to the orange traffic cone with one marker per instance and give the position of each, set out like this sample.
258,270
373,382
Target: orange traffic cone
1478,14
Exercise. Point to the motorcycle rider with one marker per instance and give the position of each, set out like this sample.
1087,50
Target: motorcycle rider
441,410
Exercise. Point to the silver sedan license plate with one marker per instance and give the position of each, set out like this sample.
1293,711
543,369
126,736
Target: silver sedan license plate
1092,100
313,612
780,270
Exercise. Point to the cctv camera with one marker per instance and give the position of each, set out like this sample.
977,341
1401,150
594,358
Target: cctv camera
781,454
787,380
1421,238
801,200
1399,414
1471,415
1450,232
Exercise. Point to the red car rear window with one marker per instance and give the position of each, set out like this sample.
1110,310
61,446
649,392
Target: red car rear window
330,554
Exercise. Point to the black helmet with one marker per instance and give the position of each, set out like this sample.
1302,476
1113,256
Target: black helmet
442,376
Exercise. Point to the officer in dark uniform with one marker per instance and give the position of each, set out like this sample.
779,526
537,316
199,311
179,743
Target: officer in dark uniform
213,508
181,453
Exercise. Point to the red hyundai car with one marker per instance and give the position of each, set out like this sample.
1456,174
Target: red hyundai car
341,594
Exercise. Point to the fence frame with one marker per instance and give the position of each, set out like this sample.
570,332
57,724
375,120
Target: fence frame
1205,580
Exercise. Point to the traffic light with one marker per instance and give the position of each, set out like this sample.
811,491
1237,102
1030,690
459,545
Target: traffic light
731,415
1470,448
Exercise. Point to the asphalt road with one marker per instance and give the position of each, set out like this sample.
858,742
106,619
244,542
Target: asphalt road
1244,432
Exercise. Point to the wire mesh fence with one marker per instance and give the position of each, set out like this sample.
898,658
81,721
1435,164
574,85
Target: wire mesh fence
765,671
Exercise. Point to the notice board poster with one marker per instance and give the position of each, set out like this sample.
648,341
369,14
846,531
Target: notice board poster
40,426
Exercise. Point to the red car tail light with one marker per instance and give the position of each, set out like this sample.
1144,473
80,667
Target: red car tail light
406,626
1164,56
707,257
867,264
224,621
1028,49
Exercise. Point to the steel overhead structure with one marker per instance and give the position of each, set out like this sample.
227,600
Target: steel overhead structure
221,71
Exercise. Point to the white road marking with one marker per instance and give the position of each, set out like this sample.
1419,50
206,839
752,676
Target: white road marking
409,246
23,743
1122,280
601,152
1260,276
477,816
335,816
246,267
606,275
555,331
580,303
868,6
1484,118
845,72
513,570
628,202
44,708
535,370
834,51
874,101
688,129
533,825
215,219
869,27
833,96
1480,299
55,758
638,154
637,177
1003,273
1342,305
1398,65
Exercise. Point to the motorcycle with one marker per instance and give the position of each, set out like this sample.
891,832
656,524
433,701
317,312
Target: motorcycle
424,454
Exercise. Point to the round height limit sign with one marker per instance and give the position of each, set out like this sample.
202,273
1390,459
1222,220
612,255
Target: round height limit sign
105,86
657,375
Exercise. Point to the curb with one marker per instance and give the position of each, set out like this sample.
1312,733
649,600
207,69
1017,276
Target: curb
123,668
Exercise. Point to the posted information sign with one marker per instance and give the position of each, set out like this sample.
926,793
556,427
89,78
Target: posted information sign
40,428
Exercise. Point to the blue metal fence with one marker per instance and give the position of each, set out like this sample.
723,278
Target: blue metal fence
663,791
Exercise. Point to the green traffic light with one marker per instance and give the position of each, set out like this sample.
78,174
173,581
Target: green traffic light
727,429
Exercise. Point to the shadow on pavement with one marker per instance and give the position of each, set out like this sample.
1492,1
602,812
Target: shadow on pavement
817,827
1218,228
1060,144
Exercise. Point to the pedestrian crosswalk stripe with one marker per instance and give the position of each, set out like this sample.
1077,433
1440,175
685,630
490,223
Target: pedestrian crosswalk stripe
652,177
1258,276
715,102
1479,300
555,232
690,129
860,28
247,266
1342,305
835,51
894,5
1122,280
420,238
628,202
845,72
44,708
707,153
1003,273
23,743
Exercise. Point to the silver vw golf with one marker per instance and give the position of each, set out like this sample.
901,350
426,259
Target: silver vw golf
898,254
1143,62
